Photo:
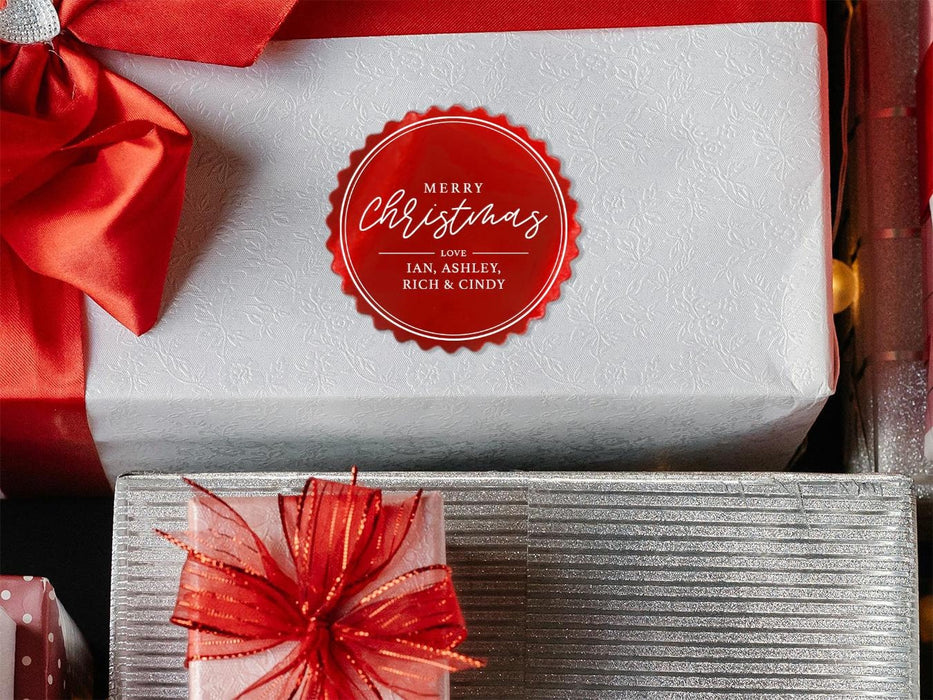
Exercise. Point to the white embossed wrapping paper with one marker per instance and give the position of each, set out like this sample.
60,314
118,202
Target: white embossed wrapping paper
599,585
694,331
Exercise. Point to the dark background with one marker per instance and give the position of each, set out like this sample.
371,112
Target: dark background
67,540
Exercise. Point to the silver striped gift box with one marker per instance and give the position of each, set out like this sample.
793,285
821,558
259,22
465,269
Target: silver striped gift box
598,585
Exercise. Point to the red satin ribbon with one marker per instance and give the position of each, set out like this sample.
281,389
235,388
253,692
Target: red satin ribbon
92,173
350,630
93,169
336,18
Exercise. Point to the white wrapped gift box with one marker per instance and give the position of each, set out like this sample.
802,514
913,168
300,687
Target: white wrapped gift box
695,329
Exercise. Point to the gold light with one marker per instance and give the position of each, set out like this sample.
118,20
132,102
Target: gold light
845,286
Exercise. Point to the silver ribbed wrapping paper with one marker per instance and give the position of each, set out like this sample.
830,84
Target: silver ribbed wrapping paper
883,367
596,585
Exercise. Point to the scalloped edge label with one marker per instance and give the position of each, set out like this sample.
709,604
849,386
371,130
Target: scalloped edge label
452,228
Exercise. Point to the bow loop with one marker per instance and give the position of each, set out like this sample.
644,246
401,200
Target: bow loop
224,32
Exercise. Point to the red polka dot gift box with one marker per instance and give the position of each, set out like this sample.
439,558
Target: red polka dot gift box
40,643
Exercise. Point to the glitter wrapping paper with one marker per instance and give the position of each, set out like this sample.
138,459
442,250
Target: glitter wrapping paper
883,336
51,660
693,332
595,585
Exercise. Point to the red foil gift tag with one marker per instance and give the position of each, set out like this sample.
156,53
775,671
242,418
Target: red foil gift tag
453,228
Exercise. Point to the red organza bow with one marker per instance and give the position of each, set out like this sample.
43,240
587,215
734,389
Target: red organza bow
91,182
352,633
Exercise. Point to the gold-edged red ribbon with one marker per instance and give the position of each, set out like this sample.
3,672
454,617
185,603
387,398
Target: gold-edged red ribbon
352,633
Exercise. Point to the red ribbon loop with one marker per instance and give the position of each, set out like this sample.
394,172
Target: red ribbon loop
350,633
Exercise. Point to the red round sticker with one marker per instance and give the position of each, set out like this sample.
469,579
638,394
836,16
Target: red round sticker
452,228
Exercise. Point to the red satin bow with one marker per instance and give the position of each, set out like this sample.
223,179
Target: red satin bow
91,183
351,633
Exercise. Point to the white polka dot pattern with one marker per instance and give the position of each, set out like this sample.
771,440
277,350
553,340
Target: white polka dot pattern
48,647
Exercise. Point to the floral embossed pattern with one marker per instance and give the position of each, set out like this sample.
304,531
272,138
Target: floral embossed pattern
694,330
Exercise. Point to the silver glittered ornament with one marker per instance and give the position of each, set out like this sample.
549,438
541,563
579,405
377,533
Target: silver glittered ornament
29,22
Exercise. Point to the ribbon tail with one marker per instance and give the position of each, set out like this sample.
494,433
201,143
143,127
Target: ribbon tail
339,18
45,439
